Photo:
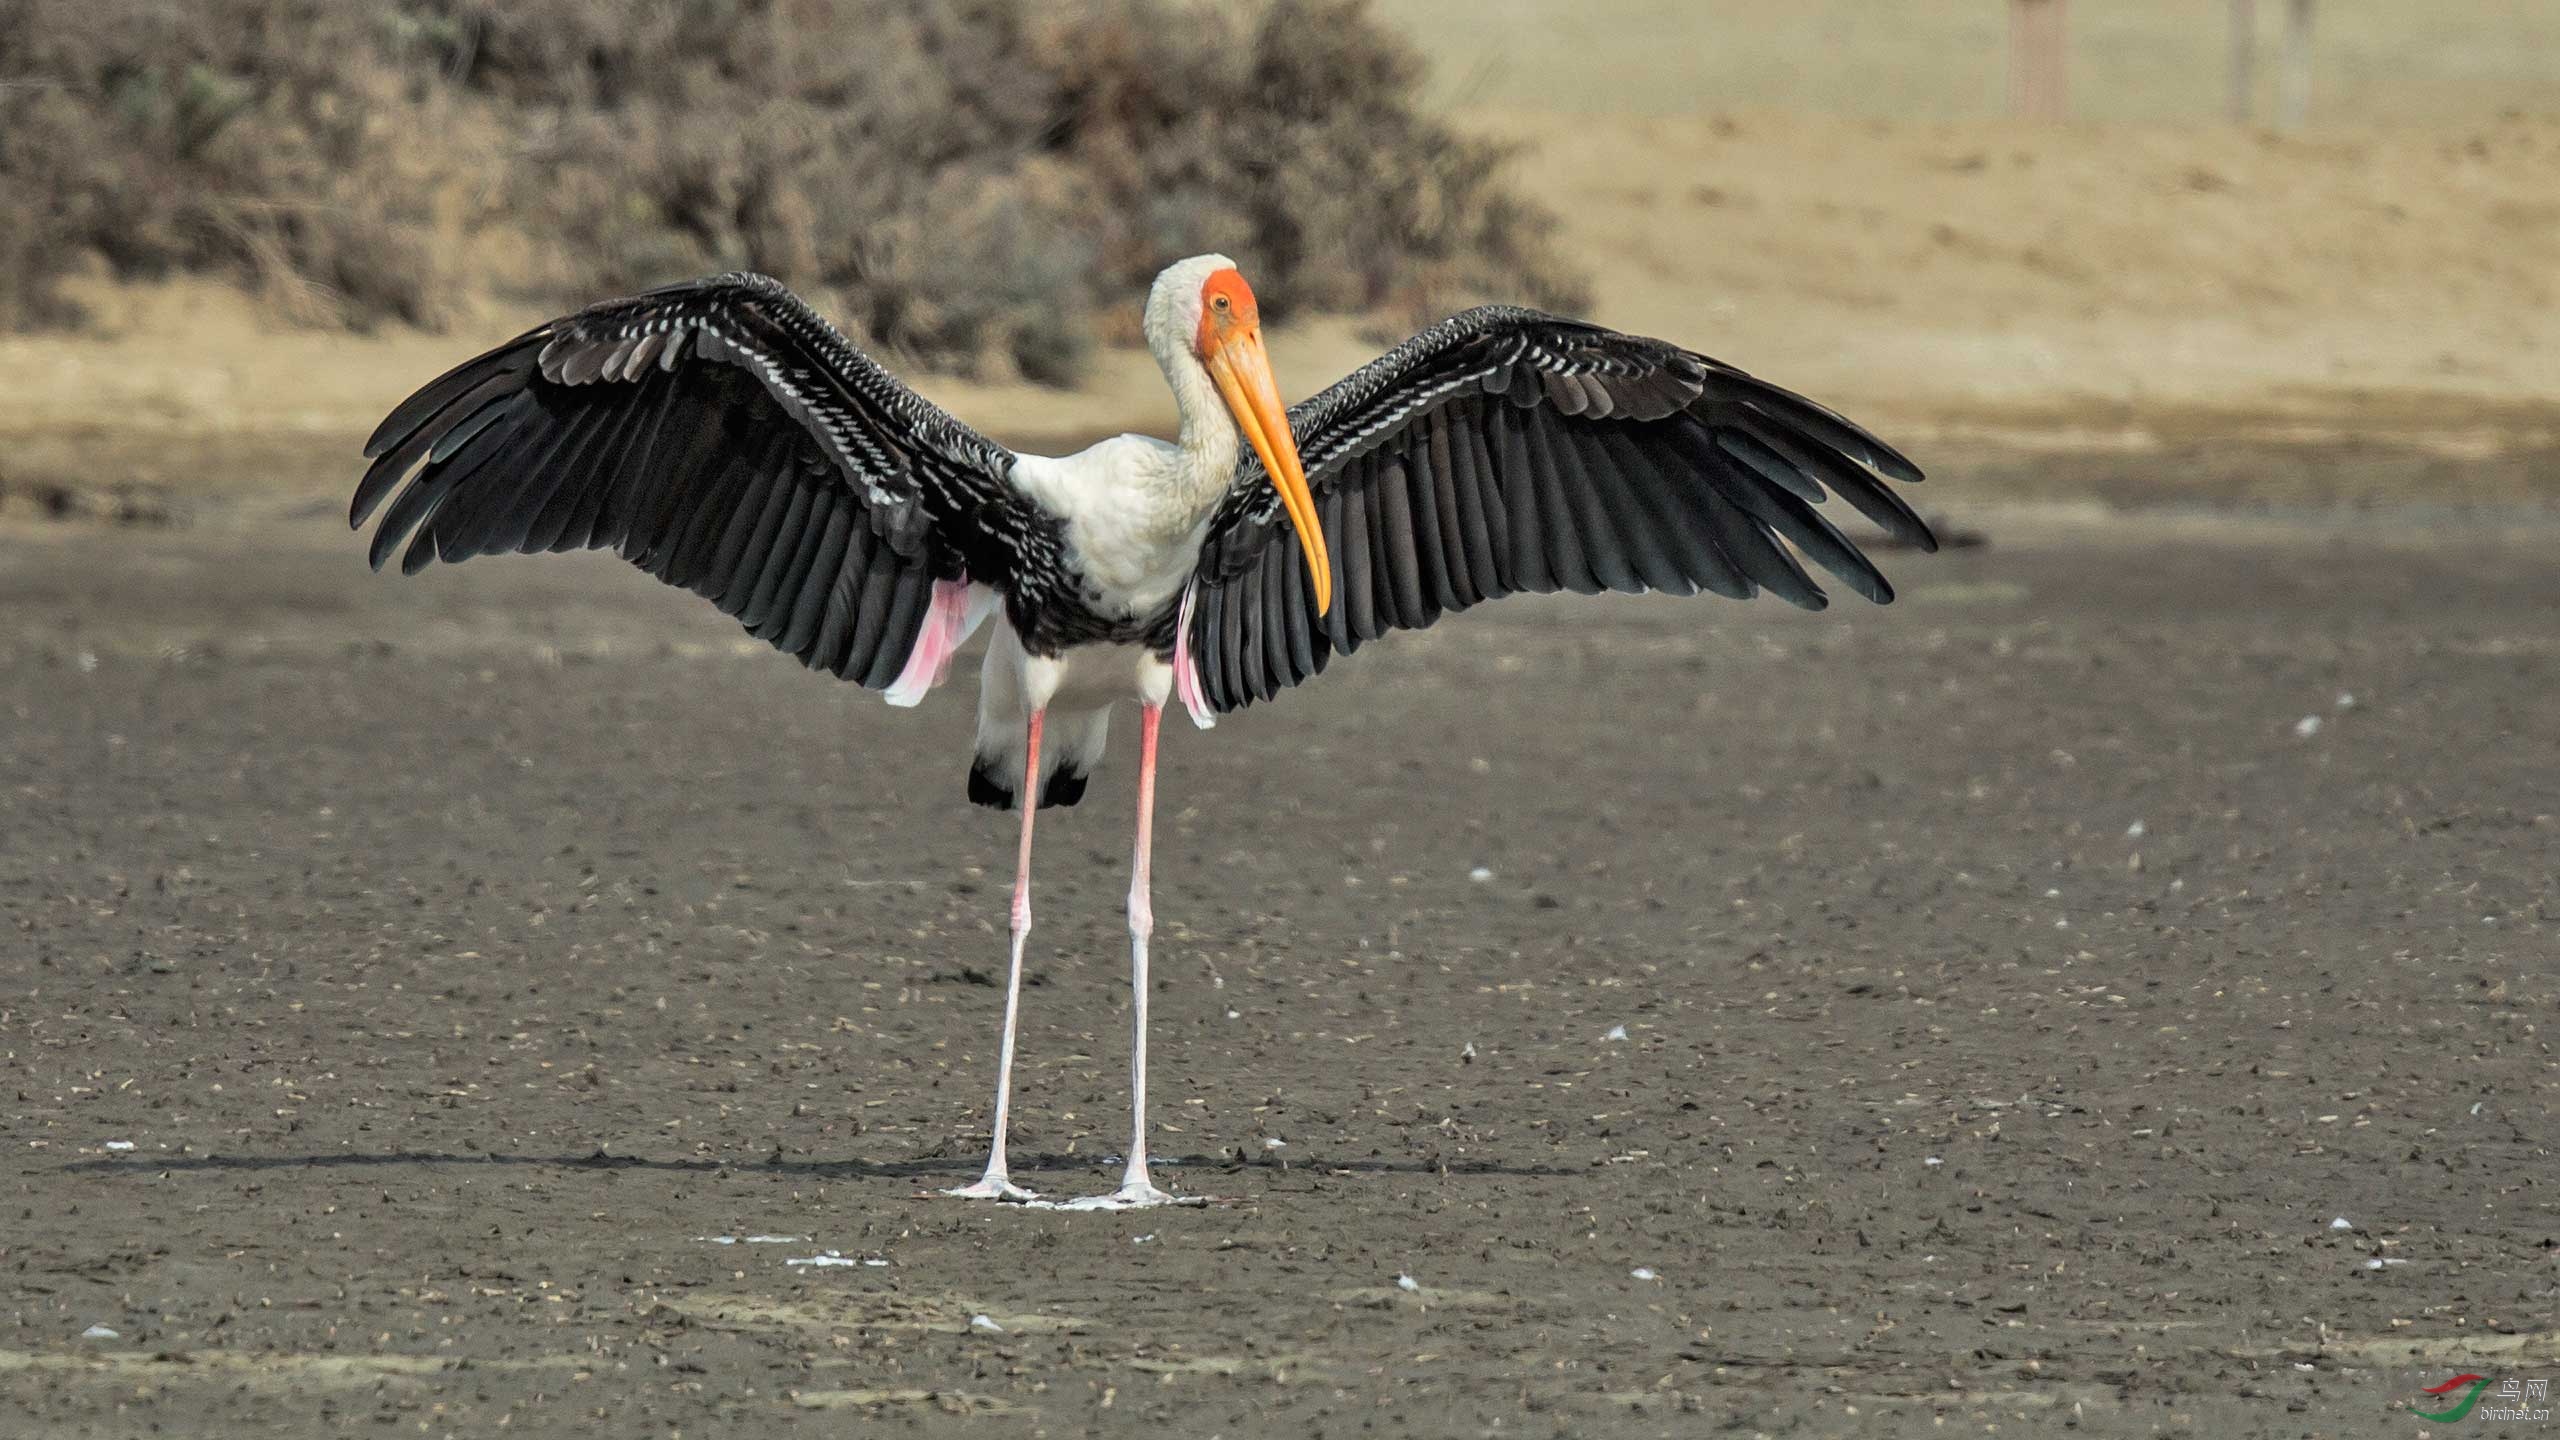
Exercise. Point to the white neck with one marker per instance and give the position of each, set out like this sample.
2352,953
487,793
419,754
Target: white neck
1209,441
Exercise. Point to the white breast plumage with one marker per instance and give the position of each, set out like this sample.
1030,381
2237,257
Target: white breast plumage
1135,517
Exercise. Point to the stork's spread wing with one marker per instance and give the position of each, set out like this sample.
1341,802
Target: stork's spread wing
723,437
1503,450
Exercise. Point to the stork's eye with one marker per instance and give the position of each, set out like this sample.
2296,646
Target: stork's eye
1220,301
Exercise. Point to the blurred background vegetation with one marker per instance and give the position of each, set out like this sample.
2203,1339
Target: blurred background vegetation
233,232
984,187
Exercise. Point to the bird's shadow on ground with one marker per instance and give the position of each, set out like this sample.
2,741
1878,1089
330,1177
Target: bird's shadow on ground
933,1167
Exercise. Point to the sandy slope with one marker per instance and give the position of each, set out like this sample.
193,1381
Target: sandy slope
1982,269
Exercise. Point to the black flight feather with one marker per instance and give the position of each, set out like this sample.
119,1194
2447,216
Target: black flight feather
1505,450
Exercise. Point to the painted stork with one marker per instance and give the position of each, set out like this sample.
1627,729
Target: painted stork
723,437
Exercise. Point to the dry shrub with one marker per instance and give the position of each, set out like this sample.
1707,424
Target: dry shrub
984,185
250,138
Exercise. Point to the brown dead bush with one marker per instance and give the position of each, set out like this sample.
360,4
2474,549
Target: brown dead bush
984,186
249,138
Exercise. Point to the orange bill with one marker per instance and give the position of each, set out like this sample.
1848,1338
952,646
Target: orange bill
1242,369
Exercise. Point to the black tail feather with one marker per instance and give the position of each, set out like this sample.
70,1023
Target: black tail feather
983,789
1066,787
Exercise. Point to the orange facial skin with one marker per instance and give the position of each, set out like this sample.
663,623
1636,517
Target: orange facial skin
1226,305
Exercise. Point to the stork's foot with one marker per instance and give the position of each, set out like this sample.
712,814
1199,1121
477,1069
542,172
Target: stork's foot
1136,1195
993,1186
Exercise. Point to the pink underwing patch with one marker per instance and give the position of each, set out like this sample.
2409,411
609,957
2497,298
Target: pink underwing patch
958,609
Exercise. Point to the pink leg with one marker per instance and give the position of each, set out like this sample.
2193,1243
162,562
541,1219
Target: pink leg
995,1185
1135,1188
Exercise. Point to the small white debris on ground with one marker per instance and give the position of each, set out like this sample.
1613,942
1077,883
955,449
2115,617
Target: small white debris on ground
1479,874
1140,1239
2346,701
1407,1282
1643,1272
2307,726
1933,1162
829,1258
119,1144
1235,1014
755,1239
1468,1054
2053,894
985,1322
1275,1143
1616,1032
2134,831
2341,1223
2376,1264
99,1332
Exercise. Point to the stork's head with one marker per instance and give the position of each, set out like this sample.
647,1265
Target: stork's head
1201,317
